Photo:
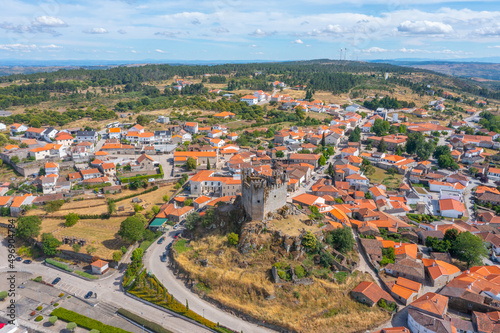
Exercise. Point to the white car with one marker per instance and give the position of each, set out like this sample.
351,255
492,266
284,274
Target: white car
151,180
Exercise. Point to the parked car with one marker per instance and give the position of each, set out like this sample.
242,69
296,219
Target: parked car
56,280
161,240
89,294
27,261
164,257
19,259
151,180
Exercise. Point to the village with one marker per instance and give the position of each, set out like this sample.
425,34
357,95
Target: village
405,206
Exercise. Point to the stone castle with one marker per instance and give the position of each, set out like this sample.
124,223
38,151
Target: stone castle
262,195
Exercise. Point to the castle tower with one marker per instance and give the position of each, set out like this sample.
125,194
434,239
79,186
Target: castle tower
263,194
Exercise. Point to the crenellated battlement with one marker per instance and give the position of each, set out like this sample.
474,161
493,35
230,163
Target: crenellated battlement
263,194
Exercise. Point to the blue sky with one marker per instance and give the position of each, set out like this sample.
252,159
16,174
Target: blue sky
248,30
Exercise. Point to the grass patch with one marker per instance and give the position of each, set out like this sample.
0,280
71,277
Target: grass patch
145,244
341,276
86,275
180,246
154,327
381,176
59,265
85,322
150,289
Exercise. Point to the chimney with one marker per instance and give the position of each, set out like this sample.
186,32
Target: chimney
435,227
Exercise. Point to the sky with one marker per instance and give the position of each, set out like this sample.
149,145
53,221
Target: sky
164,30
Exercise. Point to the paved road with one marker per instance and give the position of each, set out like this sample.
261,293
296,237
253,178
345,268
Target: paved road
177,288
108,291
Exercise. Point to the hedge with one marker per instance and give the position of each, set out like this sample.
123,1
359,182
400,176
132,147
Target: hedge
86,275
143,322
154,188
103,216
174,305
58,264
85,322
131,179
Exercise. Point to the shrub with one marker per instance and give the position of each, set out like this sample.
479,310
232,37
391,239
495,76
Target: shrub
232,239
61,294
38,279
39,318
38,308
123,249
85,322
58,265
86,275
300,272
53,319
76,247
56,304
3,295
154,327
71,219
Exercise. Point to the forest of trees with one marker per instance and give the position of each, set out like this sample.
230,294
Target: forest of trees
387,103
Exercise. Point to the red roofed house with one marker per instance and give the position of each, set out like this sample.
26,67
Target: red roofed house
370,293
99,266
451,208
249,99
428,314
90,173
191,127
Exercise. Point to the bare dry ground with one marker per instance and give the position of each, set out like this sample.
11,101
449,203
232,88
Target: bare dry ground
323,306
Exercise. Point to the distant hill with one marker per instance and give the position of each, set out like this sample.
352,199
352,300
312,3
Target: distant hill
478,71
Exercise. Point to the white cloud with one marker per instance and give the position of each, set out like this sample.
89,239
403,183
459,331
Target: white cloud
297,41
425,27
122,32
494,47
489,31
18,47
330,29
133,51
160,51
261,33
375,50
51,46
27,47
167,34
49,21
220,30
96,31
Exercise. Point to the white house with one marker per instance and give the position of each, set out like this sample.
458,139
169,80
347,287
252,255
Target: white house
99,266
451,208
218,143
89,136
249,99
351,151
436,186
191,127
51,168
357,179
494,172
49,134
18,128
115,133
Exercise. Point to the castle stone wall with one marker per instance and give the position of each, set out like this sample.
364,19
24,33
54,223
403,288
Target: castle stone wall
263,194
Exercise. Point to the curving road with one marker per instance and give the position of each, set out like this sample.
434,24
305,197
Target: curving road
108,290
177,288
